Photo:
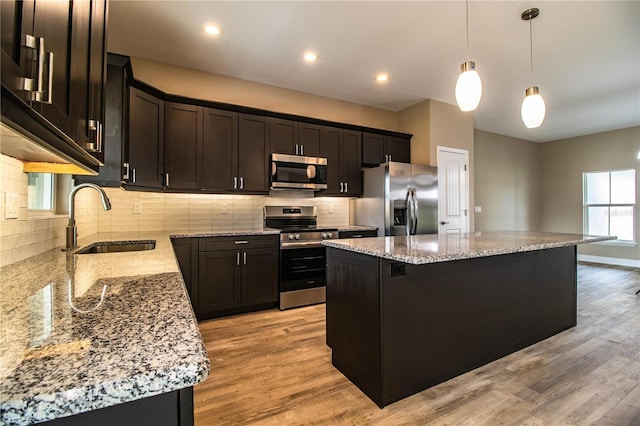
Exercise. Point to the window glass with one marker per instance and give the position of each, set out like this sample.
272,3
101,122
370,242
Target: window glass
40,191
623,183
598,188
598,221
621,219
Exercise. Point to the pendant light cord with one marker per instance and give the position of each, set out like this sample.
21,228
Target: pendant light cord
531,49
467,18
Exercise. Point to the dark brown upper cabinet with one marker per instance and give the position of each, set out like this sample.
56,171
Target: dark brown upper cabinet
284,136
236,152
220,150
183,146
253,153
88,75
309,136
343,149
53,71
146,140
377,149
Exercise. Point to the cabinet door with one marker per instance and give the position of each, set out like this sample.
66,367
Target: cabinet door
17,22
309,139
398,149
53,23
220,149
182,145
218,280
284,136
259,276
331,149
186,251
372,149
351,162
97,81
253,153
146,137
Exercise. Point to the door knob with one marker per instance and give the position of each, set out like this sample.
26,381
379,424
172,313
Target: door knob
443,222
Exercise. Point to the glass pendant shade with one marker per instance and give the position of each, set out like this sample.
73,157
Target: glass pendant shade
533,108
468,87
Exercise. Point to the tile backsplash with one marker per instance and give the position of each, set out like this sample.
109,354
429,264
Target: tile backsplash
132,211
149,211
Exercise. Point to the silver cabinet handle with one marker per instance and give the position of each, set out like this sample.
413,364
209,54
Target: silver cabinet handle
235,182
297,149
241,183
341,187
346,187
301,149
126,171
133,175
100,135
244,255
241,242
238,258
35,85
166,180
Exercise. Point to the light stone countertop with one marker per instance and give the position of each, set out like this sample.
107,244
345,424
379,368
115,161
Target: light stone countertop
347,228
63,351
421,249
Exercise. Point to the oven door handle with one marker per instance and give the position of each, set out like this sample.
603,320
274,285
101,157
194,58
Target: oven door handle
308,244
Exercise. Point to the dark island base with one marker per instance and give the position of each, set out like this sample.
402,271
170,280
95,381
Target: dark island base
396,329
167,409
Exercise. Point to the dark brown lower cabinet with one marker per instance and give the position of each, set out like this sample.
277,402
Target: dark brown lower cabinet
169,409
229,275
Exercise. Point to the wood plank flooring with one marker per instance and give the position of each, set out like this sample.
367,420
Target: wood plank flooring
274,368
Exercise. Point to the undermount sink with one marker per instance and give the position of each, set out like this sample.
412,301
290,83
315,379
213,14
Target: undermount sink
117,246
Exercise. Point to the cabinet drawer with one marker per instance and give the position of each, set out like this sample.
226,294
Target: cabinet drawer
239,242
358,234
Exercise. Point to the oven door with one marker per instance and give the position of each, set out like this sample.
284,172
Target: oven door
302,268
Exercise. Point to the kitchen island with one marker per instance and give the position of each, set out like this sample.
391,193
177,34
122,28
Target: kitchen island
407,313
100,339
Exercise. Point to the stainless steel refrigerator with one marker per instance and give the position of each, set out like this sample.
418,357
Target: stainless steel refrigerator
399,199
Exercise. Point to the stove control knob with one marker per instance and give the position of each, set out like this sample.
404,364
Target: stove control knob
324,235
297,236
291,236
330,235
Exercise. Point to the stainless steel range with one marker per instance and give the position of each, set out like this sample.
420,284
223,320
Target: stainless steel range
302,255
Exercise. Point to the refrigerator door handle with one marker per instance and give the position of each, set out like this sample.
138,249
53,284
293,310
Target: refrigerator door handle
409,205
415,211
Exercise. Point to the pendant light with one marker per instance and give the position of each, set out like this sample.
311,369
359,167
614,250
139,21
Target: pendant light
533,108
468,86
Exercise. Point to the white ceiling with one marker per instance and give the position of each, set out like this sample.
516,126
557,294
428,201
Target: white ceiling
586,55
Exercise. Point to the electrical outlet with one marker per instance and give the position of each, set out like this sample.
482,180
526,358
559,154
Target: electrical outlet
137,208
477,209
330,208
224,208
11,205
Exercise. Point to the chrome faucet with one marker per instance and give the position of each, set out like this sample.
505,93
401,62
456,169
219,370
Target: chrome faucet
72,230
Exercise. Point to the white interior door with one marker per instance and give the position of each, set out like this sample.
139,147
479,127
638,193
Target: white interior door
453,190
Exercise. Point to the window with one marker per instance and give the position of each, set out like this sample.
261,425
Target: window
609,203
40,192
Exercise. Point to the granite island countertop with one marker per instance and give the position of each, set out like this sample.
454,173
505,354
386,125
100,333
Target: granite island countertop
82,332
432,248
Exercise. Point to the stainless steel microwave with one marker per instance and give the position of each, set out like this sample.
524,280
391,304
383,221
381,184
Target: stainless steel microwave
298,172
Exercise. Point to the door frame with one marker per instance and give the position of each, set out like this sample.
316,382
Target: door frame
466,200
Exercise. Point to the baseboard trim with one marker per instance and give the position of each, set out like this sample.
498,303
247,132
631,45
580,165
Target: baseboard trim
609,260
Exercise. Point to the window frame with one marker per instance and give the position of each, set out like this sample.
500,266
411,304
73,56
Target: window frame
586,206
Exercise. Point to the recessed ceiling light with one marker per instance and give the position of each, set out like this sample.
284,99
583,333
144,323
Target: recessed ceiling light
310,56
382,77
213,30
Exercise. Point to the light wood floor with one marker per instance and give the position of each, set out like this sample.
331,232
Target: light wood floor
273,367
